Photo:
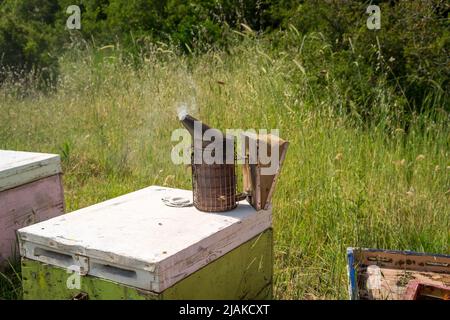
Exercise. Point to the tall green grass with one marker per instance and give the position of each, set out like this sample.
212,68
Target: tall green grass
344,183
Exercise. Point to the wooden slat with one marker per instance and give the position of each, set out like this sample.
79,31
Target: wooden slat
27,204
404,260
417,290
18,167
396,270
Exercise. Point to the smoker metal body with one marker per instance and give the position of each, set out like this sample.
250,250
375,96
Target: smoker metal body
214,187
213,184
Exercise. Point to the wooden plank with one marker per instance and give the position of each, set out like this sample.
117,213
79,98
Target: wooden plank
27,204
417,290
351,273
394,283
395,270
18,167
42,281
411,291
404,260
137,232
243,273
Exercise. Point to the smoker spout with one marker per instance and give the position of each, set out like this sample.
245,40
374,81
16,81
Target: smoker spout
188,122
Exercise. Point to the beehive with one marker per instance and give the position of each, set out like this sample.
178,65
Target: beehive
136,247
30,191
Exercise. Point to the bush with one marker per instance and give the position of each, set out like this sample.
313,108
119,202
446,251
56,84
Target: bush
410,50
28,40
408,55
189,24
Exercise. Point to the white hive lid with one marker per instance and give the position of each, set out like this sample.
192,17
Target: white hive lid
19,167
135,239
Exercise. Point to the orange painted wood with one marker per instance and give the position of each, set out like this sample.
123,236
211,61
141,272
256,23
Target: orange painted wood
25,205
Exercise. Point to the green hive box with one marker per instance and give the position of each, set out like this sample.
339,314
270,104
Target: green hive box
135,247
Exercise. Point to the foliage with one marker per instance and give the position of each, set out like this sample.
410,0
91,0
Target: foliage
410,50
28,40
341,184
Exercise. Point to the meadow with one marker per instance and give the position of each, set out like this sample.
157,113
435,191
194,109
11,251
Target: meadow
344,182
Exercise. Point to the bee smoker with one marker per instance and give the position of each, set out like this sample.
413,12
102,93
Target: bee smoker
214,184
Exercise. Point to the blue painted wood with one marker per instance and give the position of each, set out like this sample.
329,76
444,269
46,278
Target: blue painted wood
352,284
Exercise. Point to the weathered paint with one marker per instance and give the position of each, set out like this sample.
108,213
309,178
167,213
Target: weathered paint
150,246
433,269
243,273
18,167
401,252
417,290
352,286
24,205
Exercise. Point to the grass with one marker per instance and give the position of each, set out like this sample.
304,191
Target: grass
343,183
10,283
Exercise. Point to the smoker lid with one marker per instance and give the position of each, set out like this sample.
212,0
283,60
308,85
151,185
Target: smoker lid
19,167
137,240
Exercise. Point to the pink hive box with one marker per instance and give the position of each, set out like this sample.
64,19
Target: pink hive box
30,191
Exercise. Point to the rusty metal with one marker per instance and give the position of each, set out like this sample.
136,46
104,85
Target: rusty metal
214,186
81,296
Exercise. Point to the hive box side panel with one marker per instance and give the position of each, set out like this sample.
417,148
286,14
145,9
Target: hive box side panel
211,248
25,205
244,273
41,281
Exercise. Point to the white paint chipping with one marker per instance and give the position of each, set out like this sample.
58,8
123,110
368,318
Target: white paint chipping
19,167
137,240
